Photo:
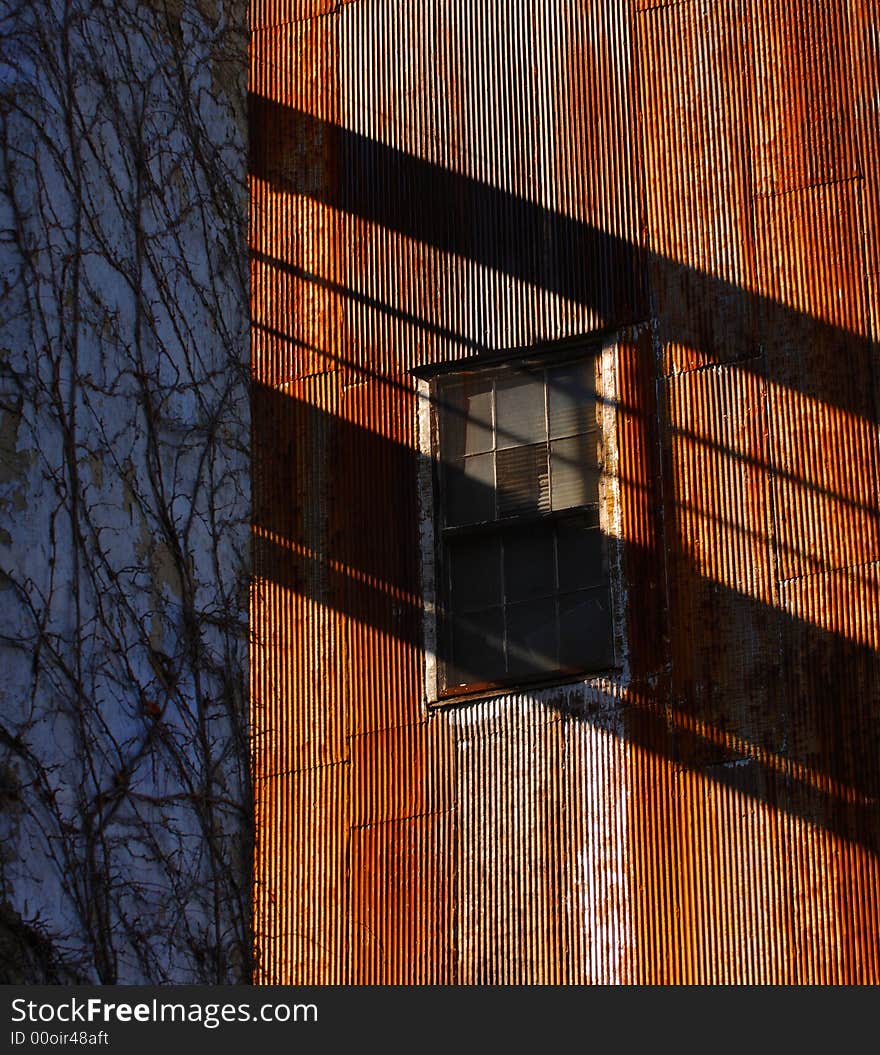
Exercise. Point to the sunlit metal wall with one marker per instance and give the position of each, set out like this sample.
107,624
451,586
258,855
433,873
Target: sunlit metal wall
434,179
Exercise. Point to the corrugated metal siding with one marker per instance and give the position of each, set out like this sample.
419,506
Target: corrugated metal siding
401,911
510,797
302,870
596,909
697,180
802,117
433,180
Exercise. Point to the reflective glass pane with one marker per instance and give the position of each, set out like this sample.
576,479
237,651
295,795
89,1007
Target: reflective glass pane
528,563
581,555
477,648
574,471
520,407
466,421
571,398
475,574
585,638
470,490
523,483
531,637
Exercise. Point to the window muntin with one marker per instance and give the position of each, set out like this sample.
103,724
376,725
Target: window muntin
524,582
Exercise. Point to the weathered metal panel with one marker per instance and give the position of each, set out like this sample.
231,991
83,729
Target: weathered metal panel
301,869
298,669
401,916
597,878
510,789
652,859
734,878
406,771
824,482
864,17
864,20
374,509
520,241
821,404
720,540
697,179
832,684
297,259
803,115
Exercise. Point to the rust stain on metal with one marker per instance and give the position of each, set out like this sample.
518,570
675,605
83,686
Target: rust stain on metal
699,180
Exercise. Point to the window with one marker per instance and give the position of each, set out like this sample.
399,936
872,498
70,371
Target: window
522,584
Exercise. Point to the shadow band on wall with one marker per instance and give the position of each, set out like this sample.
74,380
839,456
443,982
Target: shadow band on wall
837,784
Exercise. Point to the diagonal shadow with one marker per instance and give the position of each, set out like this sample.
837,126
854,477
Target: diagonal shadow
614,277
823,766
343,569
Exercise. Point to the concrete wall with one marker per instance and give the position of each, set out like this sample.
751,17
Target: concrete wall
124,492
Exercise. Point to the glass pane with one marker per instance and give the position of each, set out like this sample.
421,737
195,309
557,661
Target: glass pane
523,484
574,467
528,563
531,637
470,490
475,574
520,406
581,556
477,648
467,418
571,398
585,638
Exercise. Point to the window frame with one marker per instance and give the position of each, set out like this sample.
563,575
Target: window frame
604,350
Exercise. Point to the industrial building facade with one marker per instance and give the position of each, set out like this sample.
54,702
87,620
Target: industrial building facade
566,600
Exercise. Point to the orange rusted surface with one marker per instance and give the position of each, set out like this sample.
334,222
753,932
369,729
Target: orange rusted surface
697,183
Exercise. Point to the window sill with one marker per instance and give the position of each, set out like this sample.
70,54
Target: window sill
517,686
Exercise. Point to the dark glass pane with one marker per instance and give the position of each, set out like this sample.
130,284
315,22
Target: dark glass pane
470,490
585,638
522,480
574,471
466,422
477,648
519,400
528,563
571,398
581,555
475,574
531,637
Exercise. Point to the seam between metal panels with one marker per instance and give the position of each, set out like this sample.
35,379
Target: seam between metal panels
298,770
829,571
814,185
382,822
420,723
700,368
335,10
663,7
284,386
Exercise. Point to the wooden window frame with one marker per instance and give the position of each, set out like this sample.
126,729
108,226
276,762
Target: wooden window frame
607,511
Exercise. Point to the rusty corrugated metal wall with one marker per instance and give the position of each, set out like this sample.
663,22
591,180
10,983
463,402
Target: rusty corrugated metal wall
432,179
